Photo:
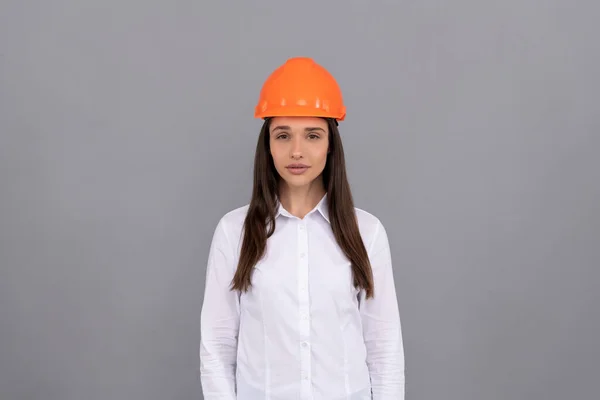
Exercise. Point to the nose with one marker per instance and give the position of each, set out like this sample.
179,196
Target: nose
296,150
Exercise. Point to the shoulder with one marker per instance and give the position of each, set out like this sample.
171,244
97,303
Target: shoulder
231,223
367,221
235,217
370,226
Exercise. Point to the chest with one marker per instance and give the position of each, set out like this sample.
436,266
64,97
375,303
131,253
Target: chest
300,257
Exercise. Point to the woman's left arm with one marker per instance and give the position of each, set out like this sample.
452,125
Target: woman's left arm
381,325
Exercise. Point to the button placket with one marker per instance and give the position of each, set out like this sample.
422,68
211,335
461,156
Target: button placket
304,309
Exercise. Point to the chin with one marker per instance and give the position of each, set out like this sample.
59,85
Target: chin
298,180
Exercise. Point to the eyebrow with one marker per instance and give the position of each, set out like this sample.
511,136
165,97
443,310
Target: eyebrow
309,129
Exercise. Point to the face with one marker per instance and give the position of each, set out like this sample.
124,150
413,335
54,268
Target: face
299,146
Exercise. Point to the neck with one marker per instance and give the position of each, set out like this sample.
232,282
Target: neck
299,201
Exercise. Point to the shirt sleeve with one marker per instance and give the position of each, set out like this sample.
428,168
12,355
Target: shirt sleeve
219,321
381,325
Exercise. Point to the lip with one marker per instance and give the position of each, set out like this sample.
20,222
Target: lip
297,169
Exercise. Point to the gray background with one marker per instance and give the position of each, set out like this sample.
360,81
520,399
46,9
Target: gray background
127,131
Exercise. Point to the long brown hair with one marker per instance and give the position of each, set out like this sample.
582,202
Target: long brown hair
259,224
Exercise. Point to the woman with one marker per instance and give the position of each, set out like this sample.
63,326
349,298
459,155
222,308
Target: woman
299,299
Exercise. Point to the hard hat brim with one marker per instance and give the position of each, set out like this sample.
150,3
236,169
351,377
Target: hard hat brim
297,111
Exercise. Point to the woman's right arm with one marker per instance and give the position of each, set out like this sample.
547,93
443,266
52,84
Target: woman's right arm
219,321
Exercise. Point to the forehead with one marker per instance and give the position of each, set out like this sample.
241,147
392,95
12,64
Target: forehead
298,123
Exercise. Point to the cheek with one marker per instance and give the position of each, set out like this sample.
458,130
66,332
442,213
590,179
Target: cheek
321,156
274,152
279,158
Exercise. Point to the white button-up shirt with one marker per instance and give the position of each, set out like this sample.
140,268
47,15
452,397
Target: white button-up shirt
302,331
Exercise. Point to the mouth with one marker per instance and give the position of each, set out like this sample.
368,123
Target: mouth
297,169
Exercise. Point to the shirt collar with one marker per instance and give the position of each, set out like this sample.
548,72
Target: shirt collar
321,207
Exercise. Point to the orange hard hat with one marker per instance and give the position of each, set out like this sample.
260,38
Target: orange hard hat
300,87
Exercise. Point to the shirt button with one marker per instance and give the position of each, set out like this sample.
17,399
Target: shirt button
304,316
302,255
304,344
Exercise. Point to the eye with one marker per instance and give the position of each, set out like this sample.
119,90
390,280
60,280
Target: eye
282,136
312,136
